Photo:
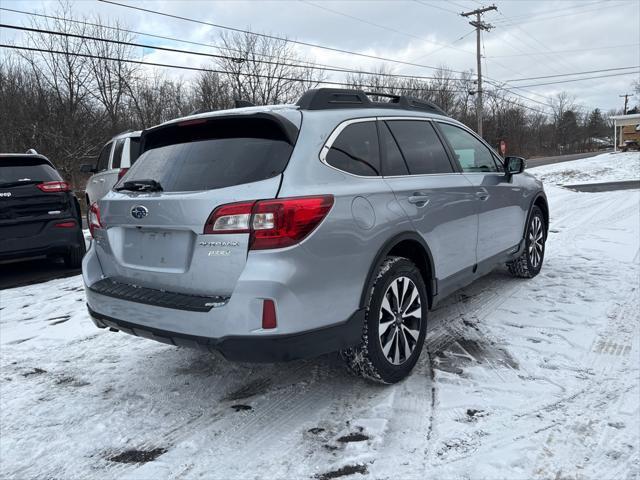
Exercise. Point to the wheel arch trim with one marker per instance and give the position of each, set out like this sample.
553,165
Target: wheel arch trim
383,252
538,196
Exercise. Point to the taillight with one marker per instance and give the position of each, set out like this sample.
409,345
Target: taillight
273,223
285,222
70,224
94,219
49,187
121,172
230,218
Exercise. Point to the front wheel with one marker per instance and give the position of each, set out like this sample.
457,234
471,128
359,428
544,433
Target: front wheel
529,263
395,324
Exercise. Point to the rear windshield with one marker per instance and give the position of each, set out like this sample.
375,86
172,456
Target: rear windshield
212,154
26,169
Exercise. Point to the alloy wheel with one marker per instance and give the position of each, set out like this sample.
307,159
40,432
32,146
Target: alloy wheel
536,241
400,320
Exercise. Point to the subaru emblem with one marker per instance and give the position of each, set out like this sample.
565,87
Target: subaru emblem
139,212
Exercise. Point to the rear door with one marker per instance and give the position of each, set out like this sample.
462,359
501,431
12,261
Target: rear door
25,209
200,166
501,217
439,201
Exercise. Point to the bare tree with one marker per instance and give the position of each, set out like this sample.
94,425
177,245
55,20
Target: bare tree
264,71
212,92
110,78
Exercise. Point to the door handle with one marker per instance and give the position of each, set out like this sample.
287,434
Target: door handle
102,180
418,199
482,195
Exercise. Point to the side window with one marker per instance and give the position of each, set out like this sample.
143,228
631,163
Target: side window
356,150
134,149
471,153
422,149
117,153
393,163
103,158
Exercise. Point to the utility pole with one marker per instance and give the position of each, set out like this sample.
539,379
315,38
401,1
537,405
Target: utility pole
626,100
480,25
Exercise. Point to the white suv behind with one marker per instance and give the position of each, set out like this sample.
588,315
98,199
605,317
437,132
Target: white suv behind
115,158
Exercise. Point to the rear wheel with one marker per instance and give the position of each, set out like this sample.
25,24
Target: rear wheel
395,325
529,263
73,259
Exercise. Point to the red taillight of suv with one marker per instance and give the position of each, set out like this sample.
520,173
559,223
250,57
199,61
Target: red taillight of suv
94,219
276,223
50,187
121,172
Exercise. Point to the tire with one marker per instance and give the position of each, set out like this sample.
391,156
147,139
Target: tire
529,263
73,259
403,335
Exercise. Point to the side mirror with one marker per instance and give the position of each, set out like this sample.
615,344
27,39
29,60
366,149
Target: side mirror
87,168
514,165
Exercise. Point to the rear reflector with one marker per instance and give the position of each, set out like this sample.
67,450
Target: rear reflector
66,224
273,223
94,219
49,187
269,315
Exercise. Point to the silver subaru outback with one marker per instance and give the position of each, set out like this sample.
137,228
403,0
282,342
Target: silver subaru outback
283,232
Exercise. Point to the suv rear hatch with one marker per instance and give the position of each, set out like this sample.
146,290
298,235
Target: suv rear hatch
32,194
153,223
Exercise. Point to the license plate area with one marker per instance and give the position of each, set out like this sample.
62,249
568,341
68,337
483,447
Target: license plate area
157,249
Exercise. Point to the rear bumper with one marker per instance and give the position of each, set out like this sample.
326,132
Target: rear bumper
253,348
50,240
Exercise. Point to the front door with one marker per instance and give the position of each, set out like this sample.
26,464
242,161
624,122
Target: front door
501,217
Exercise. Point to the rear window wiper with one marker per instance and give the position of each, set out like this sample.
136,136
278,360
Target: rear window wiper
18,182
140,186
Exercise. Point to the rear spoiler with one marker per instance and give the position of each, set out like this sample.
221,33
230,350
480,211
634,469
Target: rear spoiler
155,137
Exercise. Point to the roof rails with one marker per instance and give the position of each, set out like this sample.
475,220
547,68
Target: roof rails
332,98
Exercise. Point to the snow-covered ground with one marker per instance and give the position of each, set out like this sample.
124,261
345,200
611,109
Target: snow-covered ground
608,167
519,379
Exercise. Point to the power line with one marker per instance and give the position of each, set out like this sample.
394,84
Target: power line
553,52
384,27
208,45
570,10
578,79
190,52
274,37
571,74
553,17
212,70
516,41
442,48
429,5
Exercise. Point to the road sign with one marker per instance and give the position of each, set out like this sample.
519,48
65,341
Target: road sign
503,147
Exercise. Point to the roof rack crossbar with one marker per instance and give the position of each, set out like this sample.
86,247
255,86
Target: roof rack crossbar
331,98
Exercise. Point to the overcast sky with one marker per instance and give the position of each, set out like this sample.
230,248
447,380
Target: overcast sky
599,34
